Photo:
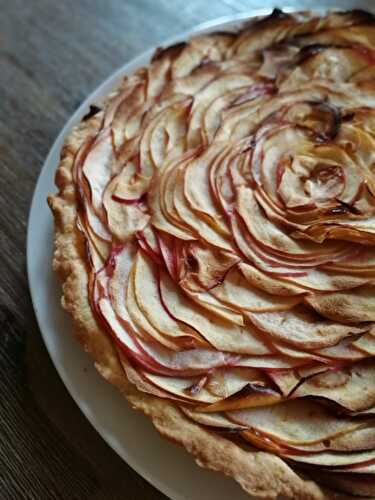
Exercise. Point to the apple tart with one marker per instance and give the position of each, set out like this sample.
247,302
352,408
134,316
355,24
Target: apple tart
215,234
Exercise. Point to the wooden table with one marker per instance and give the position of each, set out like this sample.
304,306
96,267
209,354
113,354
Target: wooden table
52,54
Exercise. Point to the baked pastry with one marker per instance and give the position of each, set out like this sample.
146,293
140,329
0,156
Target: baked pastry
215,233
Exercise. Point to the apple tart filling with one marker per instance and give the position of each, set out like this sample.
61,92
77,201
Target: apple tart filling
227,200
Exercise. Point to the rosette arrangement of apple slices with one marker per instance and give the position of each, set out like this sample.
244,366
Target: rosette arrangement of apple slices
227,199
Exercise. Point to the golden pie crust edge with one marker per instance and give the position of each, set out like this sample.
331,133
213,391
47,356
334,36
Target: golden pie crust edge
260,474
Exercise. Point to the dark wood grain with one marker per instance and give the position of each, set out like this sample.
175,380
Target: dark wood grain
52,54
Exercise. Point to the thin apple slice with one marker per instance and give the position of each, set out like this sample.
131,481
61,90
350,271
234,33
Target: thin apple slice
277,240
161,206
159,113
221,334
129,102
225,382
271,363
299,353
327,281
286,380
159,221
152,356
347,62
146,289
188,362
363,263
350,306
169,133
198,225
198,193
158,73
209,302
202,267
349,388
215,88
236,292
166,193
252,396
358,440
366,343
98,168
295,422
95,259
303,328
130,184
181,387
100,246
142,384
335,459
144,244
263,260
96,225
124,220
217,420
151,334
220,181
240,122
344,350
270,284
124,339
212,115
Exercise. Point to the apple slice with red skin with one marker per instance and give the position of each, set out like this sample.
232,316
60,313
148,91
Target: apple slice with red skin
148,332
348,388
147,295
198,193
295,422
216,420
366,343
223,83
346,350
134,375
357,440
168,253
96,225
303,329
213,114
148,240
352,306
236,292
209,302
276,241
124,106
152,357
198,225
203,267
336,459
123,219
256,255
143,244
161,205
253,395
98,168
181,388
270,284
219,333
271,363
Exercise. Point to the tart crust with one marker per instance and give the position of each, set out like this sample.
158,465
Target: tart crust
260,474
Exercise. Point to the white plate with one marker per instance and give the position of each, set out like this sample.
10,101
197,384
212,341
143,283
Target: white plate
130,434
